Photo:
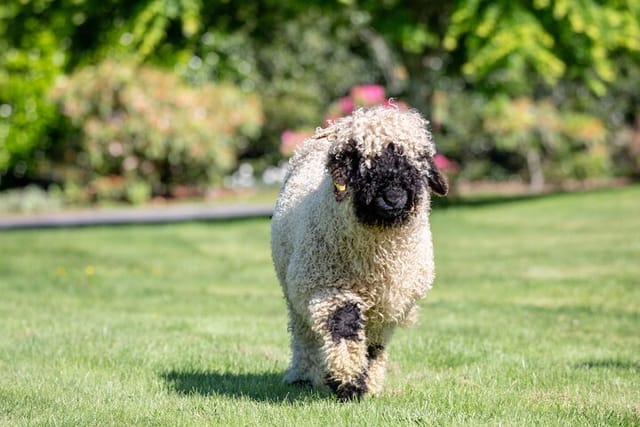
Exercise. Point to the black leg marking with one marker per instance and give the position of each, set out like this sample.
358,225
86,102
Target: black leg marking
349,390
374,350
346,322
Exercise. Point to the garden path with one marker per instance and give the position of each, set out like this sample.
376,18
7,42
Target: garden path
145,215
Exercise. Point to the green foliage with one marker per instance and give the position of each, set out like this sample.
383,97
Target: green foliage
28,65
300,68
478,55
504,42
300,55
309,63
554,143
141,126
151,24
458,129
38,41
571,143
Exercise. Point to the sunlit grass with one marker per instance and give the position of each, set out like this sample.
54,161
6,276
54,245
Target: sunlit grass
533,320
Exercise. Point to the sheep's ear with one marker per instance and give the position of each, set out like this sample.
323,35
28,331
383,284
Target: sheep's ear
436,179
342,165
337,166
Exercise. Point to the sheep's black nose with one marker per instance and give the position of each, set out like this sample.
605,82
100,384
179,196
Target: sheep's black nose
395,197
388,205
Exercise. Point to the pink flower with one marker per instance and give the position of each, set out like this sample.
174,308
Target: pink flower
289,140
367,95
346,105
445,164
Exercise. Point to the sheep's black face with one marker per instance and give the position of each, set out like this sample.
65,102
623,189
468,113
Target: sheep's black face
386,192
385,189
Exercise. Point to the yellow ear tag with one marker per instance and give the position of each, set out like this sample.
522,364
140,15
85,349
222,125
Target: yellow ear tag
340,187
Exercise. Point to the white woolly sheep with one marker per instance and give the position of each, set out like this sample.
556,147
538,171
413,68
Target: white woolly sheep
351,245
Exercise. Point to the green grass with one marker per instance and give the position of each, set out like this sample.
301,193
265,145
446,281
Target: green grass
534,320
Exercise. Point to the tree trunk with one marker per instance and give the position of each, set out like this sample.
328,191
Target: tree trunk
536,175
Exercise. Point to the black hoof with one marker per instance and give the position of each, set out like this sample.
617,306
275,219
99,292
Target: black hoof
346,391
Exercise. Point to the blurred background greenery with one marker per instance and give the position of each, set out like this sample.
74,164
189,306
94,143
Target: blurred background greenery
128,100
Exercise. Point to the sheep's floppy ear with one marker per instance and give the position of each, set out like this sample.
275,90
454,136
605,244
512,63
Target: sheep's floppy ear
339,184
338,170
340,165
436,179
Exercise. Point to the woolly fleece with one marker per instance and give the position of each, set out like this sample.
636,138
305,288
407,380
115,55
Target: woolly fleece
327,261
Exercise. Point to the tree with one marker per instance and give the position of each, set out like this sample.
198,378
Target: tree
503,43
41,40
303,54
508,51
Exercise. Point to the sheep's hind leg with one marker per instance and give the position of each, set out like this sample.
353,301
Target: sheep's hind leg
339,321
378,337
377,355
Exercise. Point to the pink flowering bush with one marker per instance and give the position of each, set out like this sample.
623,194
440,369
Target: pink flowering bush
289,140
360,96
445,164
142,131
363,96
369,95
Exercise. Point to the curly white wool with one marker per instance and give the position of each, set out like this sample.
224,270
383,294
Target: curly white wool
324,256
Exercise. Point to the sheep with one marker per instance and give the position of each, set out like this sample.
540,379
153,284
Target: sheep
351,245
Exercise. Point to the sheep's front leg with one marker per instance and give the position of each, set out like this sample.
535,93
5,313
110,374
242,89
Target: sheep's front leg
338,319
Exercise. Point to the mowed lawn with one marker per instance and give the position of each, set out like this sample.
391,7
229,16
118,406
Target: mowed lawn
534,319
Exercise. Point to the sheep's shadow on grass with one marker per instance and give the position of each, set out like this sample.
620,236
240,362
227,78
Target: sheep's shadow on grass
266,387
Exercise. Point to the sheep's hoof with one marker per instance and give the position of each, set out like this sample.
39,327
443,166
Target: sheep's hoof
346,391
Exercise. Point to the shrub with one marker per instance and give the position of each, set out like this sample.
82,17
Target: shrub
300,58
30,199
25,113
142,131
557,144
503,137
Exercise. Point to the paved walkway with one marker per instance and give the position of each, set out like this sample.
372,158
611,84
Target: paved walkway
147,215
